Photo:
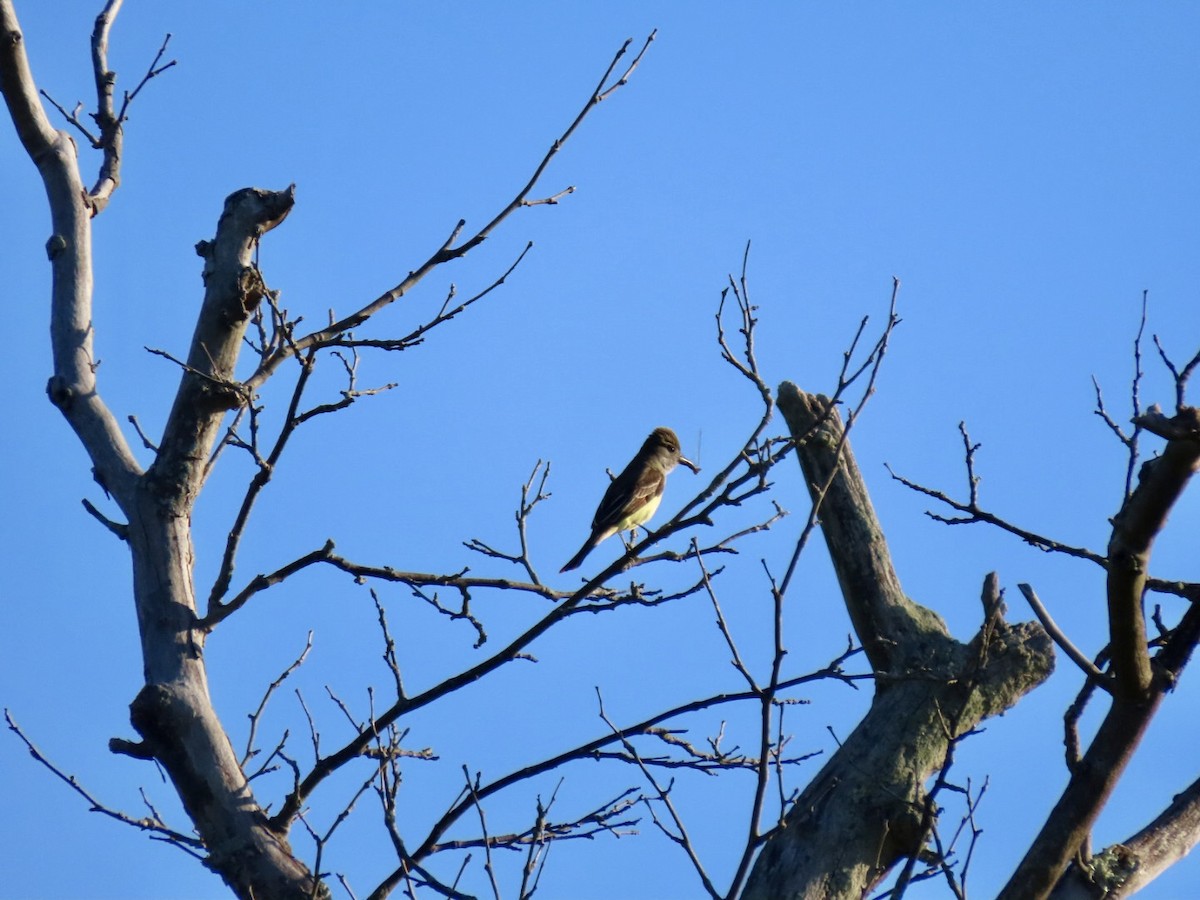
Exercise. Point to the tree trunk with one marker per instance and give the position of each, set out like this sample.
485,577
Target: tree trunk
178,725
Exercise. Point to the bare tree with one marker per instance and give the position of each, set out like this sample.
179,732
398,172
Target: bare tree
872,811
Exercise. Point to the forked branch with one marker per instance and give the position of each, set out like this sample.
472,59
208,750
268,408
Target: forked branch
451,249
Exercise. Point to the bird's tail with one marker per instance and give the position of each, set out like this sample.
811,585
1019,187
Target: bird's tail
588,546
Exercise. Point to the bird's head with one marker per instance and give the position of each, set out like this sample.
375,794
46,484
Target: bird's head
665,439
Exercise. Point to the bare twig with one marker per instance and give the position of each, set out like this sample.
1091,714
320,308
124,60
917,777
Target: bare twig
417,336
262,476
451,249
722,626
974,513
314,735
680,835
389,647
261,583
1180,374
487,842
255,716
73,119
458,581
109,121
152,824
1129,441
540,474
538,850
768,739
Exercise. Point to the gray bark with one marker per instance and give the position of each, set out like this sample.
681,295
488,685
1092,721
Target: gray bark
173,712
863,813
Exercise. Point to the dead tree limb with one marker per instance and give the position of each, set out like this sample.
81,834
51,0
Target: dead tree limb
863,812
1139,682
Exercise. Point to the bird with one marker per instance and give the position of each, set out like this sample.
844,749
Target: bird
634,495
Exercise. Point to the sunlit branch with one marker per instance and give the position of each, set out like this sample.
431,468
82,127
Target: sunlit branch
108,119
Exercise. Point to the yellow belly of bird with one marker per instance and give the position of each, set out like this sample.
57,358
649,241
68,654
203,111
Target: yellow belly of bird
640,515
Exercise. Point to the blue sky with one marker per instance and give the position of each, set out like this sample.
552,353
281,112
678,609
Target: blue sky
1027,171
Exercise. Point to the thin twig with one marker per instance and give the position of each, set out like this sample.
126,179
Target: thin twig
451,249
680,836
271,688
153,825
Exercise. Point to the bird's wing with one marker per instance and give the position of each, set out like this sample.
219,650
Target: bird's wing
627,492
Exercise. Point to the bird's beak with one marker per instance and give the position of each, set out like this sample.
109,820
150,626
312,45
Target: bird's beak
684,461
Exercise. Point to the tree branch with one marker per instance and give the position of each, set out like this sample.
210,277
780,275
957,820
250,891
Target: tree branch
72,387
154,824
589,750
1137,691
450,249
1076,655
884,618
1166,840
233,290
1160,483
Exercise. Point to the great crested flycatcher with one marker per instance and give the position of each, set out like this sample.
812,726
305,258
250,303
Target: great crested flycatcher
634,495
